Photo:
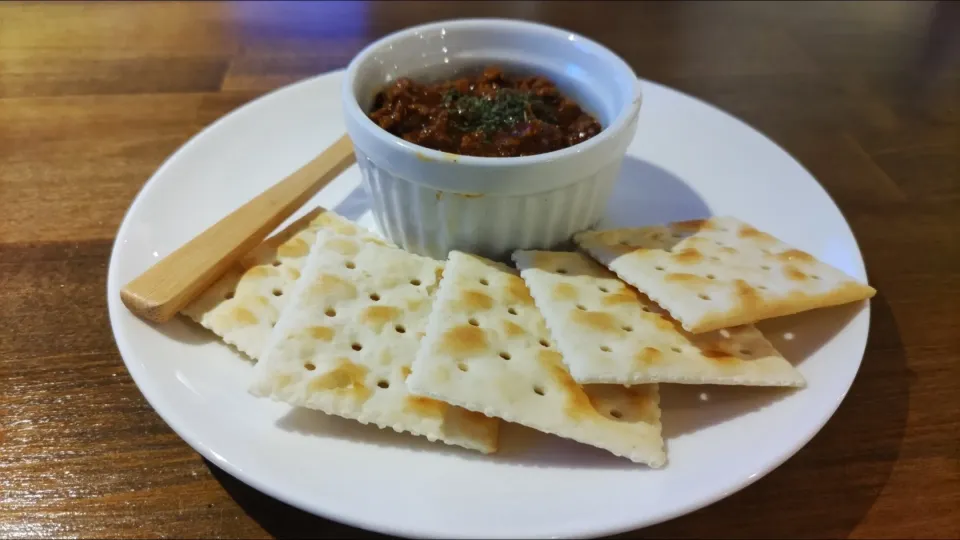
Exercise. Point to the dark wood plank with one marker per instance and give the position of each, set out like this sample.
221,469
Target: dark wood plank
94,96
81,159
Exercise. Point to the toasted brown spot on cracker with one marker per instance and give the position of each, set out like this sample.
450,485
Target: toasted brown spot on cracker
330,286
517,291
346,377
648,355
463,341
244,316
295,247
424,406
683,277
795,255
728,250
475,301
687,256
719,355
641,253
550,359
323,333
578,403
748,297
712,352
793,273
620,297
751,233
405,372
343,246
662,322
513,329
692,225
294,273
378,316
597,320
477,419
564,291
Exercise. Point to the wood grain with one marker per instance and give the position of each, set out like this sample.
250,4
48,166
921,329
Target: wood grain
94,96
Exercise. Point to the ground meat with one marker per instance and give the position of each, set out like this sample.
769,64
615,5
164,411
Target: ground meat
490,114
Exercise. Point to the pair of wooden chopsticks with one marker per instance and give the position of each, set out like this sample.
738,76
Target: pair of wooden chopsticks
169,285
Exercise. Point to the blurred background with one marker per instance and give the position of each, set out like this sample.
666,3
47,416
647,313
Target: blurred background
153,73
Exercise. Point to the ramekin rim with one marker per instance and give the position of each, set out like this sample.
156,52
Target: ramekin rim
621,121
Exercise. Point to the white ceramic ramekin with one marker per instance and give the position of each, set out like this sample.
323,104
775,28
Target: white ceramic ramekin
431,202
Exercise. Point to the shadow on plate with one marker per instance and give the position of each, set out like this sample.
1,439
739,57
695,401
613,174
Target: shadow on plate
800,336
188,332
185,331
827,488
518,445
524,446
646,194
688,408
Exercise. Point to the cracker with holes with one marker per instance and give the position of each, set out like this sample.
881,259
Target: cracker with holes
487,349
345,343
608,332
720,272
243,305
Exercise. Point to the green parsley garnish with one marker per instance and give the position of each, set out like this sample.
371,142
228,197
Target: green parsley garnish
506,109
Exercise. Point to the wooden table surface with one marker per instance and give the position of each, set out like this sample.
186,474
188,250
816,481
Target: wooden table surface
94,96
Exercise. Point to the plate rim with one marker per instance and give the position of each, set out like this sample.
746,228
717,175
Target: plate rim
195,440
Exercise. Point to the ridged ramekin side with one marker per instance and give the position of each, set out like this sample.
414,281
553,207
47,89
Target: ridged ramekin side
429,222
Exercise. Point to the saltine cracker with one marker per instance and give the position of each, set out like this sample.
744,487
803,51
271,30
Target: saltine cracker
243,305
487,349
608,332
345,343
720,272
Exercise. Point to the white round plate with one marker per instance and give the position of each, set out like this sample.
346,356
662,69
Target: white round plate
688,160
